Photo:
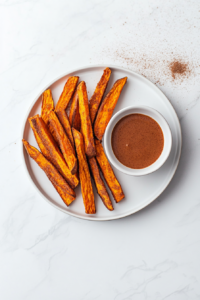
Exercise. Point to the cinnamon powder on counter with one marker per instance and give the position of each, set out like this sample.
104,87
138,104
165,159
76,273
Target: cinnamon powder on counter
178,68
160,68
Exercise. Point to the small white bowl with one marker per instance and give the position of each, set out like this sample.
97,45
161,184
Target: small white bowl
154,114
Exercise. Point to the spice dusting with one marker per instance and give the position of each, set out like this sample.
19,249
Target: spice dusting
160,67
178,68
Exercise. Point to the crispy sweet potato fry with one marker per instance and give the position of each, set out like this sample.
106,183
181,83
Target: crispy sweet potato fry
108,173
47,105
86,126
63,118
101,189
42,147
44,150
84,174
50,149
64,190
74,115
98,94
67,93
63,142
107,107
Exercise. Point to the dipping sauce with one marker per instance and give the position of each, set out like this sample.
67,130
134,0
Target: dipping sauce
137,141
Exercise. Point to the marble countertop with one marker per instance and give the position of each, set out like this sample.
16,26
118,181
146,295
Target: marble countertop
45,254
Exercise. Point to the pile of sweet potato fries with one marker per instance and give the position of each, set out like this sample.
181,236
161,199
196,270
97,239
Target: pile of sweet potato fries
71,149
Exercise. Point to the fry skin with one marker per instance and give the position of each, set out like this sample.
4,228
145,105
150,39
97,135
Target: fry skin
63,118
67,93
101,189
108,173
47,105
50,149
84,174
107,107
64,190
98,94
86,126
63,142
74,115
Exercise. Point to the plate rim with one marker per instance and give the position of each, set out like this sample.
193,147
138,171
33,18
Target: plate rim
87,217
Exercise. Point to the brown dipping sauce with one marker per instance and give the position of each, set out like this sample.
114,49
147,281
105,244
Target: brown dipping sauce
137,141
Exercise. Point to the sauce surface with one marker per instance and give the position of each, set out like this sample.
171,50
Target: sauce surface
137,141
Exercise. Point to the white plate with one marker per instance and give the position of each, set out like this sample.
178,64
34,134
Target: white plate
139,191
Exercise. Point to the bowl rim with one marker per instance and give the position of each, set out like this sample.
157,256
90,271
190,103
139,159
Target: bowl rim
119,166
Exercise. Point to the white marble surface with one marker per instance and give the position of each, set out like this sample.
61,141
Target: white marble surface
45,254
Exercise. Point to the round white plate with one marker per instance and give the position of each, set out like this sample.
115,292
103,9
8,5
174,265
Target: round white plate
139,191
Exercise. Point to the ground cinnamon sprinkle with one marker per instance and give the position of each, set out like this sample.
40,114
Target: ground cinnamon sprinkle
160,68
177,67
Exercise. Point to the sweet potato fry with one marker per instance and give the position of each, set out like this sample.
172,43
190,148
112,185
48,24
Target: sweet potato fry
47,105
42,147
101,189
98,94
86,126
108,173
84,174
64,190
63,142
63,118
107,107
44,150
74,115
67,93
50,149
